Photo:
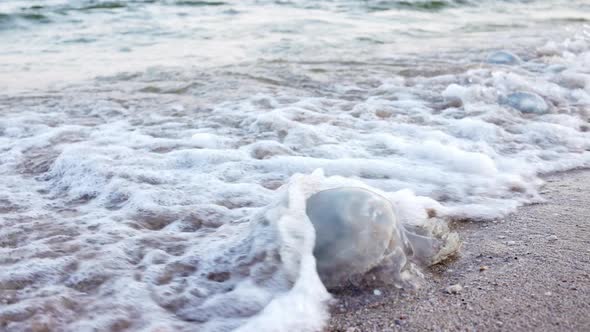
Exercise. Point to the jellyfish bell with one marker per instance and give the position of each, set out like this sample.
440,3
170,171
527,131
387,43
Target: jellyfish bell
503,58
526,102
353,230
356,231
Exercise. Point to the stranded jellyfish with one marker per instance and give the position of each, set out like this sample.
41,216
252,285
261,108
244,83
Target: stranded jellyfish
503,58
527,102
356,231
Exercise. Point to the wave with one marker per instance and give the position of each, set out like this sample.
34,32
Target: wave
135,208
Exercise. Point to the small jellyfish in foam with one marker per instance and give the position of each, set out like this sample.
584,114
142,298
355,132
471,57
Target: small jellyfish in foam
526,102
356,231
503,58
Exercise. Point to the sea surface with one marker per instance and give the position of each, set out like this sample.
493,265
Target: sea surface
156,155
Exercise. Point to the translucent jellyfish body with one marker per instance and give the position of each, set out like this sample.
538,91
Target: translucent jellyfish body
356,231
527,102
503,58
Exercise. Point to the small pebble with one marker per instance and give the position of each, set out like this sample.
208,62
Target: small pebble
483,268
552,238
377,292
510,243
548,293
454,289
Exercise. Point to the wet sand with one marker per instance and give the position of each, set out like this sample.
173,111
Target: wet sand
528,272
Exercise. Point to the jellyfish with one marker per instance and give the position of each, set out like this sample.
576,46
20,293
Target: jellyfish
526,102
503,58
357,231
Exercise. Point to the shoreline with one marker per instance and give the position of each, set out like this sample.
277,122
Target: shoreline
529,271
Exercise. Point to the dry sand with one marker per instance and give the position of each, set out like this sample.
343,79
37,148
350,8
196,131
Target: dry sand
529,272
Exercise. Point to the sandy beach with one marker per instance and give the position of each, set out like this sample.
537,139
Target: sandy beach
528,272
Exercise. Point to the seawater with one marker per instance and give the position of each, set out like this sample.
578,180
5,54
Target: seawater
156,156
